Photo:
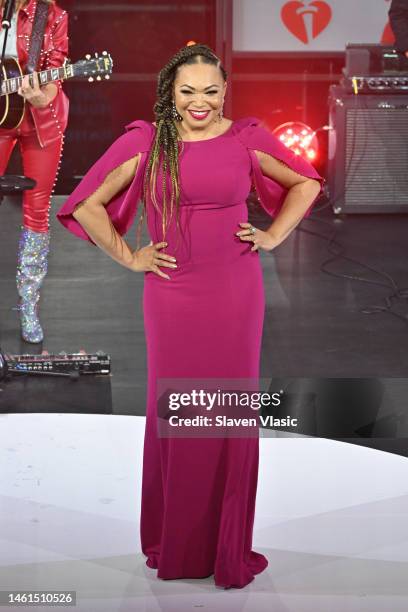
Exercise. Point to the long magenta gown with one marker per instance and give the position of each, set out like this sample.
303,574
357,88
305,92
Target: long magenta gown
198,494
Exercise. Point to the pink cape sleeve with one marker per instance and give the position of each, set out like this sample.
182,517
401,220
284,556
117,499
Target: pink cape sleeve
270,193
122,208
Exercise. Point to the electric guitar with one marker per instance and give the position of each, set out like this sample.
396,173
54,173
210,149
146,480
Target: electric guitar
12,107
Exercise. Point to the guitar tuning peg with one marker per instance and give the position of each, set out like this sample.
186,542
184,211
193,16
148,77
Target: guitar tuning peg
88,56
98,78
96,55
104,53
91,79
107,76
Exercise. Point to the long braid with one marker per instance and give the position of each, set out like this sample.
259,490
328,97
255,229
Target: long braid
165,148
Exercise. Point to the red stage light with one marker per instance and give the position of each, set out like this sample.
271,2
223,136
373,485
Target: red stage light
298,137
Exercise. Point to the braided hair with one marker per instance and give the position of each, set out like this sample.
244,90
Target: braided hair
165,148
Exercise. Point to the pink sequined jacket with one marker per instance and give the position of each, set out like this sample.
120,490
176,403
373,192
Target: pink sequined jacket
51,121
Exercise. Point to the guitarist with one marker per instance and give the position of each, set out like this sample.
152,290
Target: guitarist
398,15
40,137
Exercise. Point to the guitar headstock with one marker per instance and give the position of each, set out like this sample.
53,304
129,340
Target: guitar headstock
94,68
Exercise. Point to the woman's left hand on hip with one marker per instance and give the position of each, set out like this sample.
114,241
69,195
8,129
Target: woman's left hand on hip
261,240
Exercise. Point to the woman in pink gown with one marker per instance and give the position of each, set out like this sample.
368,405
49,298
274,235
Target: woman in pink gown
203,318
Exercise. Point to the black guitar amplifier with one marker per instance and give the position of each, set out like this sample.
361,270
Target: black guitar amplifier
368,152
371,60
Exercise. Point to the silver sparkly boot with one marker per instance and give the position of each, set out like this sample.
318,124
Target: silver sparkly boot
32,264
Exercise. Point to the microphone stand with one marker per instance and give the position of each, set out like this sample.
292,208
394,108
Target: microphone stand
8,13
10,183
5,26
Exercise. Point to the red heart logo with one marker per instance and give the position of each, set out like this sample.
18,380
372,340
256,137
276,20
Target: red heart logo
293,16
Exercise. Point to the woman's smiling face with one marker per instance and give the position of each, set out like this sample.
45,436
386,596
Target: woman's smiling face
199,91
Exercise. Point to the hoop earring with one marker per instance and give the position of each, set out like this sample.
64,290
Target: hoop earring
175,114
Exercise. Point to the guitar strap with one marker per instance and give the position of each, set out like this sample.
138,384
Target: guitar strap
37,35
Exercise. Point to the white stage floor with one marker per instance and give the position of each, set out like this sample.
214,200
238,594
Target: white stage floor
332,519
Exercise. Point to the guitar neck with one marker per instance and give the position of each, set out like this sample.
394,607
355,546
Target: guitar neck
9,86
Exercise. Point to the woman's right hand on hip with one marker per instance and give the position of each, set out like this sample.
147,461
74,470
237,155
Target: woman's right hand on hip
149,258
